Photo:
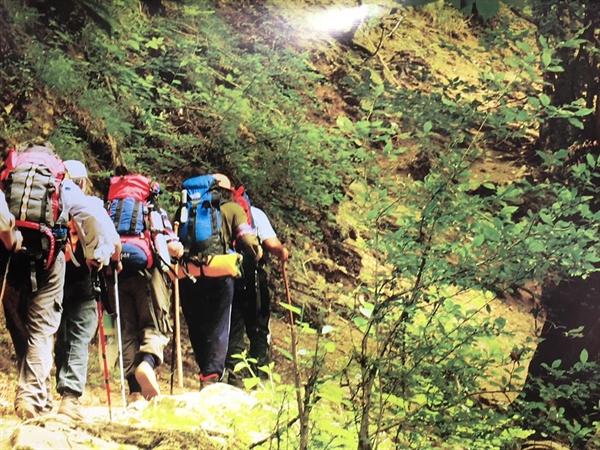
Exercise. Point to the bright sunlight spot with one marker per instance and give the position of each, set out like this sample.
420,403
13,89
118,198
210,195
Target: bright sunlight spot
337,20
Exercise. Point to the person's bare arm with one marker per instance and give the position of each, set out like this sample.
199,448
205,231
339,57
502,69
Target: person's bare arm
276,248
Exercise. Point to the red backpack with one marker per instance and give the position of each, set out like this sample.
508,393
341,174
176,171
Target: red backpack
130,201
241,197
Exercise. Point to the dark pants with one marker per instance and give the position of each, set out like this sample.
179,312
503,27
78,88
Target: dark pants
206,307
250,313
15,314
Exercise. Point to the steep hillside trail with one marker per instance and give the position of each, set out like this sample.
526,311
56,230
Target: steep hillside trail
420,44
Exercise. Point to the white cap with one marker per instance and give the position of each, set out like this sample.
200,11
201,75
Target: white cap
76,169
223,181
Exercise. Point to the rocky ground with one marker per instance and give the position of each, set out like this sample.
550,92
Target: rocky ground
213,418
181,417
186,419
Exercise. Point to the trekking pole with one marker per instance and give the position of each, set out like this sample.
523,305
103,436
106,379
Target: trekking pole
176,321
104,361
297,381
173,352
176,349
5,278
119,337
257,297
96,287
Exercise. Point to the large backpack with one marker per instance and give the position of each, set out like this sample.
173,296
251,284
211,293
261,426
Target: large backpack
240,195
200,232
131,200
200,217
31,181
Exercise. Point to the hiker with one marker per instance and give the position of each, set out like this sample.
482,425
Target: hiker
37,271
206,303
143,287
251,308
12,240
80,314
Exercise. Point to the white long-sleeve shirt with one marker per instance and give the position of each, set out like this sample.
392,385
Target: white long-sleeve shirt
7,220
94,227
7,223
264,229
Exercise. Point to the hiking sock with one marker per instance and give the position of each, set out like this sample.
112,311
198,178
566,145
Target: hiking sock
207,380
150,359
134,386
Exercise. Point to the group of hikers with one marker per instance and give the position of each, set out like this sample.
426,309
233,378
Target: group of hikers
69,256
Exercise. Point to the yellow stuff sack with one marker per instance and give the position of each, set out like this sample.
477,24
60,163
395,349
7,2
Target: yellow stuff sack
229,265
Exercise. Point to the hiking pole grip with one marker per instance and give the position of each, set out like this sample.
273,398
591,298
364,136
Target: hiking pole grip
176,321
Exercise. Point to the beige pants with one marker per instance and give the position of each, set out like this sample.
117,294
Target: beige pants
44,308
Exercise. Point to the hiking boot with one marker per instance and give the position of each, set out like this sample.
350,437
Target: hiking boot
69,406
235,380
25,410
135,397
136,400
208,380
145,376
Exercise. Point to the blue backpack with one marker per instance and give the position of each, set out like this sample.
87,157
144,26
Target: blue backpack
200,217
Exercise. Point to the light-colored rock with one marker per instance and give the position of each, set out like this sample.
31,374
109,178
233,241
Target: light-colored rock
56,435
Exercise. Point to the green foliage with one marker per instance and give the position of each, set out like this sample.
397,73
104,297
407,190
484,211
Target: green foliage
159,100
575,385
484,8
449,234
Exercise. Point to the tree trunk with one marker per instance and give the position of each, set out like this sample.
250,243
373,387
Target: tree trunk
573,304
562,21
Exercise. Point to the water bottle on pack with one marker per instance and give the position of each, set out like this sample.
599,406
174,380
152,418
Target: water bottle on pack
183,217
157,227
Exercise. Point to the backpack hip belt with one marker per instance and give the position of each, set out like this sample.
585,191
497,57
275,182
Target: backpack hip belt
46,231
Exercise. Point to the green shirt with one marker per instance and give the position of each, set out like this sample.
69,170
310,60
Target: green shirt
236,231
